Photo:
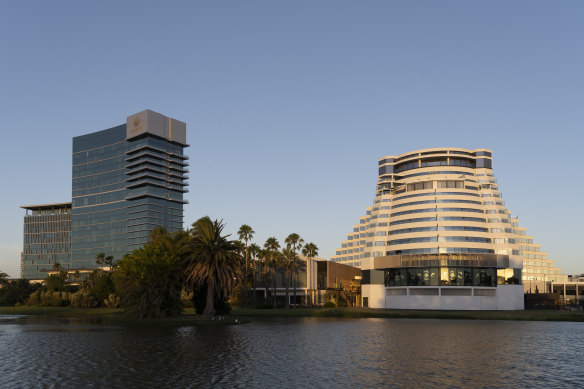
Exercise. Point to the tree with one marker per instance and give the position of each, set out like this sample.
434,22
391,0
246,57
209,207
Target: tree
212,259
15,291
245,234
254,252
57,282
104,261
272,258
293,242
288,258
173,243
99,259
148,282
3,277
310,251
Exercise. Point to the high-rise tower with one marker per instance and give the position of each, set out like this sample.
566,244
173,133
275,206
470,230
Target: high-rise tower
127,180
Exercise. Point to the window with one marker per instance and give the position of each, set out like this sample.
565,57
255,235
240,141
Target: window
451,184
420,186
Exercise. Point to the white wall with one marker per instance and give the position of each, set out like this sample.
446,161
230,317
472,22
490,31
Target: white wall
507,297
375,293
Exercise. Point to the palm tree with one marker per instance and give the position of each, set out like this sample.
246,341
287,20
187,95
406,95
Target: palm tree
293,242
245,233
212,260
310,251
254,252
271,255
288,258
174,243
99,259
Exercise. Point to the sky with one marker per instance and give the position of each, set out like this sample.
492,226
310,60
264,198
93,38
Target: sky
290,104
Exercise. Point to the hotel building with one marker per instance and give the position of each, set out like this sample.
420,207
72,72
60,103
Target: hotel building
46,238
438,236
127,180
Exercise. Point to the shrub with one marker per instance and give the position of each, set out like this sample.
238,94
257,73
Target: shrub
112,301
83,299
329,304
49,298
148,283
16,292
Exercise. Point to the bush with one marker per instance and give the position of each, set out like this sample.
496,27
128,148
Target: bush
83,299
341,304
329,304
50,298
148,283
16,292
112,301
100,285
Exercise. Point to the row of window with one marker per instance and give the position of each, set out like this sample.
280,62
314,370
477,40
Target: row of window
441,218
441,250
437,210
437,202
438,228
451,276
435,194
424,239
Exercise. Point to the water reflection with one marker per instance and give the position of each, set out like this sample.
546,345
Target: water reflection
310,352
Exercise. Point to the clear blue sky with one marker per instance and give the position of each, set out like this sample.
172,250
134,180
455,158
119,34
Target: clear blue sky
289,105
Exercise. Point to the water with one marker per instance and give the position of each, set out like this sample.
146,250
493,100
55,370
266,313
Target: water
290,353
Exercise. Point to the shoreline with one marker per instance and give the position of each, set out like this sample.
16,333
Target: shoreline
245,315
524,315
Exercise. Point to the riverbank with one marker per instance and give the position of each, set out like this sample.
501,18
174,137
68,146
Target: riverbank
528,315
116,316
241,315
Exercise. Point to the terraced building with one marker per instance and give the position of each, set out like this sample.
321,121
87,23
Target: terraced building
439,236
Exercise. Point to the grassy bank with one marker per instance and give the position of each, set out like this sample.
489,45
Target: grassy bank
244,315
533,315
116,316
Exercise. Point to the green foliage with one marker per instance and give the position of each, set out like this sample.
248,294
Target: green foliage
329,304
49,298
57,282
83,299
13,292
213,260
100,285
112,301
148,283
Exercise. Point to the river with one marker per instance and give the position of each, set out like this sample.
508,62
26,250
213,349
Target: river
290,353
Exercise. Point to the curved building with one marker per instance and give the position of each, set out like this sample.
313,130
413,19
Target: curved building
438,236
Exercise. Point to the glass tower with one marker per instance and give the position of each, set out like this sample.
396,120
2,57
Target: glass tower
46,239
127,180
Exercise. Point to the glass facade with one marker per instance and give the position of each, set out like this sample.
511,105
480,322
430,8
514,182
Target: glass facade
47,239
123,189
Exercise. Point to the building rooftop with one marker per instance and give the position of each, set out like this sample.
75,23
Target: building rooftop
46,206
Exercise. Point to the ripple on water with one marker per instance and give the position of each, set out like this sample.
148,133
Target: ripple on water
310,352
